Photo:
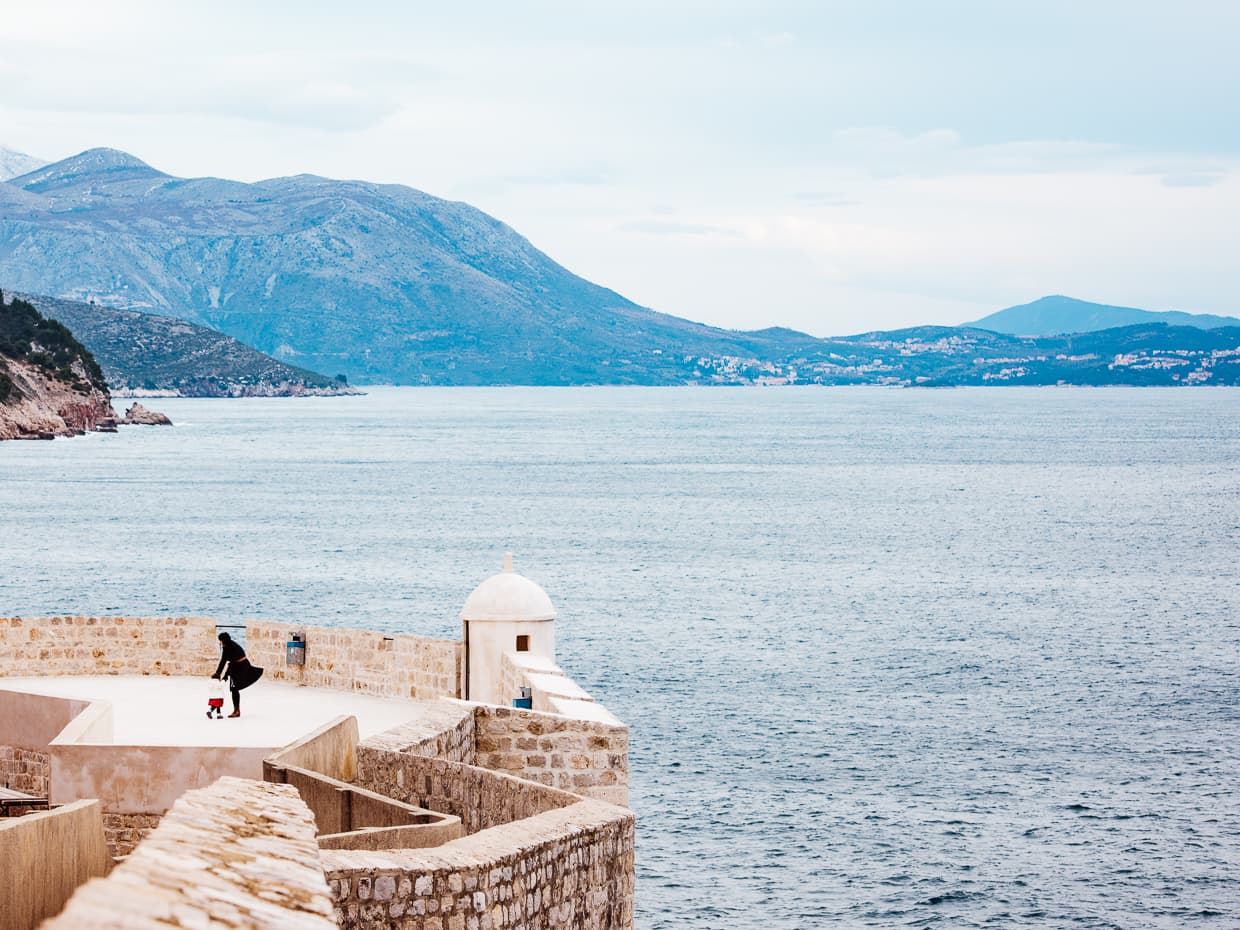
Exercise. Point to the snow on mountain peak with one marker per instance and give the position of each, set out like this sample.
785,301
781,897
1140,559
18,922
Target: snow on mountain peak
14,163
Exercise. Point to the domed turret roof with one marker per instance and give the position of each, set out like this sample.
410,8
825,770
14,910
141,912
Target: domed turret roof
508,596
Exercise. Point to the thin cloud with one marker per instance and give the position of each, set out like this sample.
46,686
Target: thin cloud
824,199
1195,179
673,228
336,92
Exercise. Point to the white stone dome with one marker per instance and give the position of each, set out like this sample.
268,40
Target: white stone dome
508,596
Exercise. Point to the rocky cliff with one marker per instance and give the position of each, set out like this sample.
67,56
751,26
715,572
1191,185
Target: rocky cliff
40,407
50,385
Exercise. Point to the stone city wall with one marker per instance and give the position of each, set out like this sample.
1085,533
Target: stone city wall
123,832
442,730
321,767
480,797
44,857
107,645
550,688
586,757
398,665
570,867
237,854
330,750
25,770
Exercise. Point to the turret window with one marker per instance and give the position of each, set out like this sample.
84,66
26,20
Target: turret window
523,643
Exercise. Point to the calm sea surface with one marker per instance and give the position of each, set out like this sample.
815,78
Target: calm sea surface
891,658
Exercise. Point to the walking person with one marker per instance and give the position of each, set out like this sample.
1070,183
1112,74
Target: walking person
240,674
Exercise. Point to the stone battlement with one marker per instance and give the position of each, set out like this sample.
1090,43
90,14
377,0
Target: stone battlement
536,791
238,854
107,645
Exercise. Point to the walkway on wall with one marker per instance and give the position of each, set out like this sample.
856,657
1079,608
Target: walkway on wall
159,711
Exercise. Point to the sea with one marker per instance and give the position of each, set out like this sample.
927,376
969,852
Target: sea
891,658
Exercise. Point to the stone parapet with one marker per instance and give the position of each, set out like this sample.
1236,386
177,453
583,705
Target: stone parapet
237,854
550,688
331,750
106,645
396,665
442,730
480,797
586,757
571,867
44,857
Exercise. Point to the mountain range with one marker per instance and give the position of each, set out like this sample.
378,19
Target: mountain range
1052,316
381,282
387,284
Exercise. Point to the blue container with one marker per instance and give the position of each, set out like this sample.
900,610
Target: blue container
523,703
295,652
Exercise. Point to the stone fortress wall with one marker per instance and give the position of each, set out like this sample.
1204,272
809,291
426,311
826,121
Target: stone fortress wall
586,757
543,847
255,864
569,867
395,665
237,854
582,748
107,645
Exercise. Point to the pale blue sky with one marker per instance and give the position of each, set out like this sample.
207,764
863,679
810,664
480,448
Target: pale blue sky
830,166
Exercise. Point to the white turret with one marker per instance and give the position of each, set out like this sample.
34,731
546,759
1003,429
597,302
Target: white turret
506,613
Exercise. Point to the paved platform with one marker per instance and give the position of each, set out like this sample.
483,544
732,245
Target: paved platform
159,711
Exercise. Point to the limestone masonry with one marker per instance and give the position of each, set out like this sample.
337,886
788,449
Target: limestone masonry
379,781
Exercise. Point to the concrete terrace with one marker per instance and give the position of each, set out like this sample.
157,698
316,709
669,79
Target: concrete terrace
150,711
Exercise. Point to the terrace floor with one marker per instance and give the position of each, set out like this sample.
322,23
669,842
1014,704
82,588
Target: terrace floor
171,711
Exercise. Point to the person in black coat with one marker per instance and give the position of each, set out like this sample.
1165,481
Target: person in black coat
240,674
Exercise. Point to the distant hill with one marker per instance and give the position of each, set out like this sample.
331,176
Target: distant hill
1050,316
13,163
148,354
1146,354
379,281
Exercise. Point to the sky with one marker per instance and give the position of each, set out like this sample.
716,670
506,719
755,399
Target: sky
831,166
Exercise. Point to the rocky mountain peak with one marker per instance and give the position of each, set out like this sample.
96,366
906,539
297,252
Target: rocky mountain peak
14,163
86,167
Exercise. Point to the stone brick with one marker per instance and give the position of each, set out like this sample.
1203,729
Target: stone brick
584,756
567,867
256,865
396,665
